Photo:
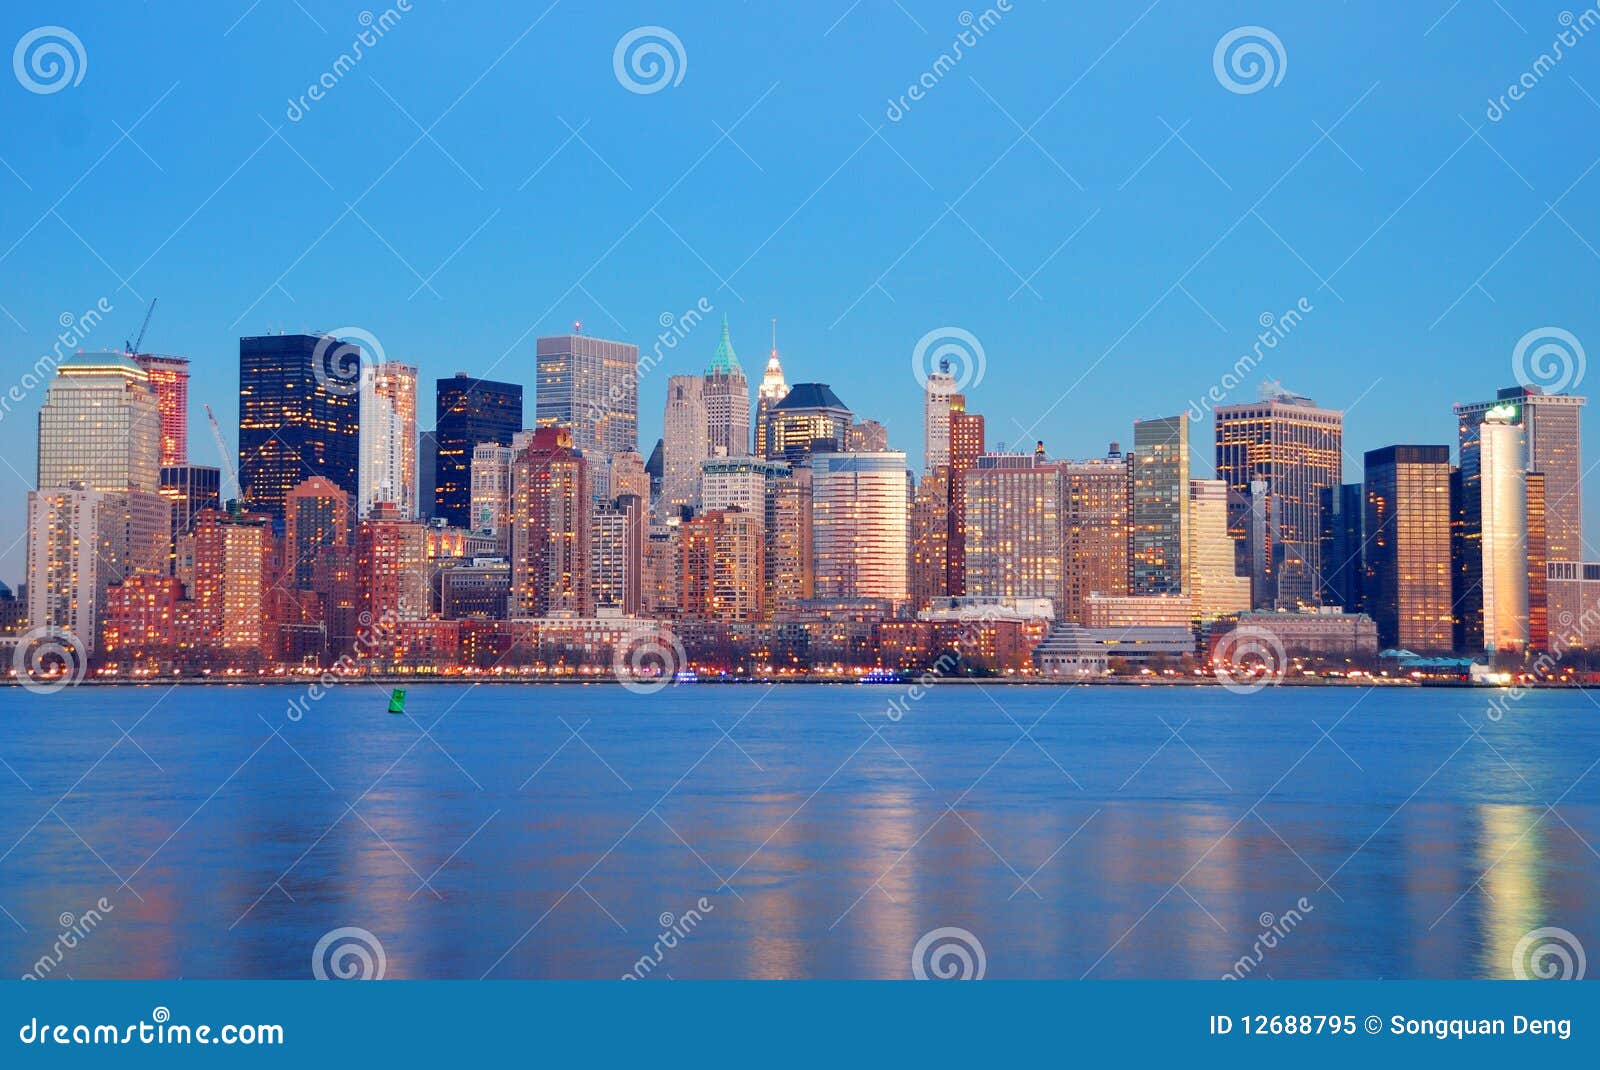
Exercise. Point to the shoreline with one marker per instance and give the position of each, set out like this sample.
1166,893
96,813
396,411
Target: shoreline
909,681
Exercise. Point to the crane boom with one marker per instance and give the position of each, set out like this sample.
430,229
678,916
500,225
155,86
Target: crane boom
138,339
222,451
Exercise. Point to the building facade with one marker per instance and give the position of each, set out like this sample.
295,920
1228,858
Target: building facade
591,387
1407,588
1158,505
468,412
859,515
1294,449
295,418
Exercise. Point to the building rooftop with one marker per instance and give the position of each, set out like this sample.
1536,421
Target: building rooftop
811,396
81,362
724,361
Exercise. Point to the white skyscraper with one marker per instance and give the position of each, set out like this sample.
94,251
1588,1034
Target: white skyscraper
1504,503
388,468
97,515
936,418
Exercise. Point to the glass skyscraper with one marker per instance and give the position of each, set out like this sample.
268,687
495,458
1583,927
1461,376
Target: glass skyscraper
1407,588
469,413
295,420
1158,505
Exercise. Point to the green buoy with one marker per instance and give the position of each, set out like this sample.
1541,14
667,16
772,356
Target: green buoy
397,700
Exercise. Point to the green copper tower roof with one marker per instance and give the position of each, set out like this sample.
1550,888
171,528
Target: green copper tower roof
724,361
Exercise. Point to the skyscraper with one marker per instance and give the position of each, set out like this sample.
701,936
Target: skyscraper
316,519
1553,443
720,567
1503,512
859,525
468,412
190,488
550,516
1094,518
389,438
591,387
1551,448
772,390
97,517
685,443
810,419
1013,527
100,426
1210,578
1158,509
491,487
1342,567
966,446
299,416
1295,449
936,395
727,401
928,566
1407,588
169,378
787,562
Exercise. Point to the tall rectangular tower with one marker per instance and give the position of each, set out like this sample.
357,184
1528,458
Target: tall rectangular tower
591,387
469,412
1295,449
1407,588
1158,505
299,416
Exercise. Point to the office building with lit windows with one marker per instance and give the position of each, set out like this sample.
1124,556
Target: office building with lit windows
1293,449
169,378
295,420
1094,521
389,438
1407,587
468,413
100,426
858,523
316,520
591,387
809,420
1013,528
1158,505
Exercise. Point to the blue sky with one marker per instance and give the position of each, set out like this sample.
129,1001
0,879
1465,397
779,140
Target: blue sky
1080,192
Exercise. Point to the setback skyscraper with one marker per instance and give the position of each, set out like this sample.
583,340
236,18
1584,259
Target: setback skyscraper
1294,450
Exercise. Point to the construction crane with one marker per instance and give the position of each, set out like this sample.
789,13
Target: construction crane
138,340
227,459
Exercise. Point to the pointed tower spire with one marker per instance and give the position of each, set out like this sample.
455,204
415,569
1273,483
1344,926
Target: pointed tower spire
724,361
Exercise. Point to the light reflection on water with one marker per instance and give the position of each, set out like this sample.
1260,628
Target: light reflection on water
826,839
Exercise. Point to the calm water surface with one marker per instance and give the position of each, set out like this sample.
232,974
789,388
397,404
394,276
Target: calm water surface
510,831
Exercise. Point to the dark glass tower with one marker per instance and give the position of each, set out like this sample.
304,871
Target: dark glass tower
1342,566
293,422
470,413
1407,586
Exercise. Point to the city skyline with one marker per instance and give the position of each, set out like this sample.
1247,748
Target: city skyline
1162,281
